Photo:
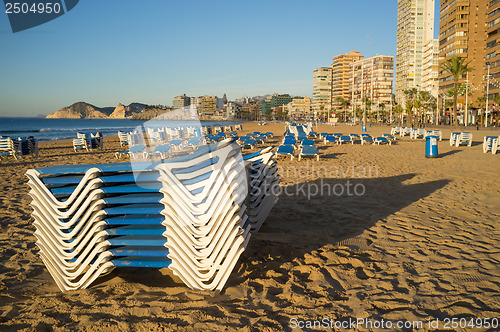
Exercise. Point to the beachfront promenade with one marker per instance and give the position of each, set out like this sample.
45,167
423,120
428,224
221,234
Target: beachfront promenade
414,239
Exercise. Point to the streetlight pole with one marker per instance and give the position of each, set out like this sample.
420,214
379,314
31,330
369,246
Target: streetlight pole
487,97
466,100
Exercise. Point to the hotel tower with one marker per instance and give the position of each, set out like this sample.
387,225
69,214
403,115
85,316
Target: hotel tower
415,29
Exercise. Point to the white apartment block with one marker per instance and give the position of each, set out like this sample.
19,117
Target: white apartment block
430,67
371,79
322,88
415,28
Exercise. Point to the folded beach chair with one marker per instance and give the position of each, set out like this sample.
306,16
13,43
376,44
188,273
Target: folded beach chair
417,133
436,133
381,140
395,131
96,141
406,131
453,138
263,186
313,134
465,138
488,143
495,145
135,138
365,138
122,136
7,148
80,144
309,151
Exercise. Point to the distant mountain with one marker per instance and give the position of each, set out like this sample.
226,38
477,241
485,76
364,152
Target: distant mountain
82,110
124,112
260,98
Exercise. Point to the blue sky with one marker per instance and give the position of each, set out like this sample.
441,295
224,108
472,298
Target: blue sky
107,52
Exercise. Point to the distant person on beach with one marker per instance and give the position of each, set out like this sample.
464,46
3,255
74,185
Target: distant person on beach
477,124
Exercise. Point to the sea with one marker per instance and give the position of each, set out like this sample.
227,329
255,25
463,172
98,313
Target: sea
56,129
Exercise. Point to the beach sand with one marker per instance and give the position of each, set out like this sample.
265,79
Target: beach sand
377,232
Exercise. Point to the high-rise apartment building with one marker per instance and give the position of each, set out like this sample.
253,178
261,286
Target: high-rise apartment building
180,101
415,27
274,100
208,105
462,31
321,88
341,72
493,46
371,79
299,107
430,67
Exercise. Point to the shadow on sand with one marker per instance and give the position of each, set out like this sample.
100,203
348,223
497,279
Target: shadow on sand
305,219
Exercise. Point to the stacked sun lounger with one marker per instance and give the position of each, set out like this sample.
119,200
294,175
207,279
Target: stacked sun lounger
491,143
263,181
192,214
18,147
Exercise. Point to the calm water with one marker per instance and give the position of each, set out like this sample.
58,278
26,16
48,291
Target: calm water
54,129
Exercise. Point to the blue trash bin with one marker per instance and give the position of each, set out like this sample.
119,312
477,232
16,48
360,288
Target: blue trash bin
431,147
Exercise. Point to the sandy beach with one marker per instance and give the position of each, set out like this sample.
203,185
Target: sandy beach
375,232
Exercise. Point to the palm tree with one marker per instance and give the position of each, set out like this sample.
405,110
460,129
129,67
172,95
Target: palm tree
344,103
382,107
409,107
457,67
367,103
411,102
399,110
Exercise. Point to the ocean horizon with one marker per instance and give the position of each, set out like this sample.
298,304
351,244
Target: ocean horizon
56,129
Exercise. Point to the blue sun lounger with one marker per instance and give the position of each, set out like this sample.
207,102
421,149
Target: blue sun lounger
309,151
285,150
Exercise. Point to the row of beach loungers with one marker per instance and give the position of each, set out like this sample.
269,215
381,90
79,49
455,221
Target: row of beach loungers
415,133
339,138
18,147
193,214
165,142
166,134
299,142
